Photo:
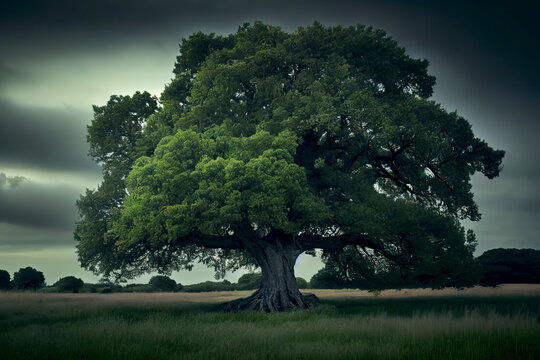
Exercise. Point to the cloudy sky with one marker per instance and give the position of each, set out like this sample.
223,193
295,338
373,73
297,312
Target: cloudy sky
60,57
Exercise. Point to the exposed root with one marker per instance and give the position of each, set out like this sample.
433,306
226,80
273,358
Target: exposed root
270,302
276,255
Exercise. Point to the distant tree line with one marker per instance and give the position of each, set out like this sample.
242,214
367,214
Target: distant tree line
494,267
506,266
26,278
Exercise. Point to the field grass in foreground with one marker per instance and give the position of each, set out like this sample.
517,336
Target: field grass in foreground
92,327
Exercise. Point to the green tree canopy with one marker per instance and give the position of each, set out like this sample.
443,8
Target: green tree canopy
28,278
268,144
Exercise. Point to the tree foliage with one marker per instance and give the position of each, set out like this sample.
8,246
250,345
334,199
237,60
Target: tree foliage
252,281
267,144
113,136
209,286
510,266
4,280
162,283
446,262
69,284
28,278
302,283
249,281
326,279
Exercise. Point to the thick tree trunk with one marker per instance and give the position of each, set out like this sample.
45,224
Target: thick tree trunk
279,290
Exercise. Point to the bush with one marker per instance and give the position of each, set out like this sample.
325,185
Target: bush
510,266
209,286
88,288
28,278
4,280
324,279
110,289
249,281
162,283
69,284
302,283
48,289
138,288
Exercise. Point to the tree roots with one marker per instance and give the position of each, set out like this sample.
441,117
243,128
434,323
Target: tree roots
270,301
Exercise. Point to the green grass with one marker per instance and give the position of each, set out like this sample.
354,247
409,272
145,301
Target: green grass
411,328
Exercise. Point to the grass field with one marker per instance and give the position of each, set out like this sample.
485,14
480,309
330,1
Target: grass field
478,323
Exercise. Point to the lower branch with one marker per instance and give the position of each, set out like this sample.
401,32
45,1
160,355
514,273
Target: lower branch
308,242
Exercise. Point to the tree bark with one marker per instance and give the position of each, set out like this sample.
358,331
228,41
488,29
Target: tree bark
278,290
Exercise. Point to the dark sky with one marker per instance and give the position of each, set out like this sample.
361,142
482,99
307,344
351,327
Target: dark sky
60,57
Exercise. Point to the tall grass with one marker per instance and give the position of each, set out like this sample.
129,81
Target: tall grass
434,328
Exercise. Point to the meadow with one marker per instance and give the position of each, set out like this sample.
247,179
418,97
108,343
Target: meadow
477,323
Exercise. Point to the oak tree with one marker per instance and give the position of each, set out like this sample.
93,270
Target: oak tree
267,144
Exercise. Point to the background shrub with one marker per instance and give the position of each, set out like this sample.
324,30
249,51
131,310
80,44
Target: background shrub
210,286
510,266
110,289
302,283
162,283
4,280
249,281
28,278
69,284
325,279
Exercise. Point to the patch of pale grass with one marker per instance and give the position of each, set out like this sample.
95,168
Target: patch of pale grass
500,290
21,301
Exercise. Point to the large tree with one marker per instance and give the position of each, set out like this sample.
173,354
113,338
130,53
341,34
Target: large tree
267,144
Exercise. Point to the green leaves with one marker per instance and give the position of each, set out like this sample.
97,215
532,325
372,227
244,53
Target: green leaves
116,128
191,186
326,130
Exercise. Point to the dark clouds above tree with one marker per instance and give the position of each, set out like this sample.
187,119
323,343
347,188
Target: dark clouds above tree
499,25
52,139
29,204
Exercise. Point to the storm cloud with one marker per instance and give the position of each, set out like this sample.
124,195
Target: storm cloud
53,139
29,204
502,31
